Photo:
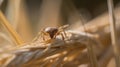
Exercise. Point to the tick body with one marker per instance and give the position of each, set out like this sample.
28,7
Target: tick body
52,31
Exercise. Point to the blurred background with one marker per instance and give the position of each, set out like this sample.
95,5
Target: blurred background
28,17
32,15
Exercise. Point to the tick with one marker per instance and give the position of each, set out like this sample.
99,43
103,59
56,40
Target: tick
52,33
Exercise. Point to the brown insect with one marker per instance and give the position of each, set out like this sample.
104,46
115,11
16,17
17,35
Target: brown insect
52,32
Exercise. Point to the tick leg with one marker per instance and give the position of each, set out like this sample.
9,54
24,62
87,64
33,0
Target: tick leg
43,35
62,36
65,33
56,34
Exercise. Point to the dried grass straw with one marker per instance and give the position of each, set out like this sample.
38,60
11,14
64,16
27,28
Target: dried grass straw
55,54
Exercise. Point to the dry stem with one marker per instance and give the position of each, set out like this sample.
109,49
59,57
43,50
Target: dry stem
11,30
113,32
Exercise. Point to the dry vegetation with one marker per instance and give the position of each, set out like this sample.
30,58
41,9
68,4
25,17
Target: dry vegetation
87,42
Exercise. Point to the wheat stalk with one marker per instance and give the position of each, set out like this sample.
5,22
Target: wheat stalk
35,54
